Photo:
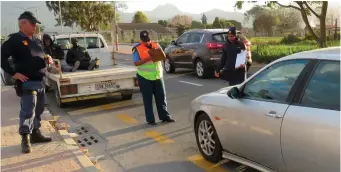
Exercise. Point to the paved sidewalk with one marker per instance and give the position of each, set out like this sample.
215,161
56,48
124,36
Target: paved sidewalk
53,156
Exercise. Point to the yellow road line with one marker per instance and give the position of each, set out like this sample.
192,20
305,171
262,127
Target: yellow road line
127,119
207,166
106,107
158,137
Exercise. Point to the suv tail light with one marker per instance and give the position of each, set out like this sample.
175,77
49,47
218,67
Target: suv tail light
213,45
68,89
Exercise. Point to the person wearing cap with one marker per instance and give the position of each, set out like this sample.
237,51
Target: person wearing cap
79,54
29,72
226,69
150,79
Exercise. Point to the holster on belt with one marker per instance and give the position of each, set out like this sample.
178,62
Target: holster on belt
18,88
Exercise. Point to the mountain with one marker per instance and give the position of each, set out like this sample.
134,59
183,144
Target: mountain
167,11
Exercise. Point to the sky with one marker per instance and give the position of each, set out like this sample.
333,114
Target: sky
11,9
195,7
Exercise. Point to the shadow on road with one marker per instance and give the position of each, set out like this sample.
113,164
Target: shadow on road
121,149
178,166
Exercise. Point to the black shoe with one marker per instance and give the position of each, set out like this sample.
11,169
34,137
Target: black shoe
97,63
25,143
37,137
169,120
92,65
151,123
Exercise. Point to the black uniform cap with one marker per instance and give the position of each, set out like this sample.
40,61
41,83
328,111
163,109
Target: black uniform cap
144,35
29,16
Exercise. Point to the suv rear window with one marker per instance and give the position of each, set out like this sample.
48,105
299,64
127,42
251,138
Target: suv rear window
219,37
222,37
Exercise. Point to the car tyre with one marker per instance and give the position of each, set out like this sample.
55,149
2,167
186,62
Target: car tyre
57,97
207,139
168,66
200,69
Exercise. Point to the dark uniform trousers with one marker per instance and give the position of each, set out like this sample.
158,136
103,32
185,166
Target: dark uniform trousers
149,88
32,106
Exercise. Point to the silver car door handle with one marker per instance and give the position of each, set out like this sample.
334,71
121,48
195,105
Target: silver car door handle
273,114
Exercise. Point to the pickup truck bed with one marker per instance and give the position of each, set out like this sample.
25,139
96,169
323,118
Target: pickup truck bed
107,81
104,72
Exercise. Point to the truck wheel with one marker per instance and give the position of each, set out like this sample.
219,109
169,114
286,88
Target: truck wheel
127,96
168,66
57,96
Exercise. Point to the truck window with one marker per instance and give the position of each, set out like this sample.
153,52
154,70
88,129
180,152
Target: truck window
87,42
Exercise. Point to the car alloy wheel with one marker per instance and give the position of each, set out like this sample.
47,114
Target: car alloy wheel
207,139
167,65
205,134
199,67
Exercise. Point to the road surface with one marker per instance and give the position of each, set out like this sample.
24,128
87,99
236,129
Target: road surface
129,144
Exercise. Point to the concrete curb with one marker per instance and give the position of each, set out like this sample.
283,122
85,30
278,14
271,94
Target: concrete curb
71,145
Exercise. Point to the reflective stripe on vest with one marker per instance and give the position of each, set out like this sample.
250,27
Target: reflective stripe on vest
149,70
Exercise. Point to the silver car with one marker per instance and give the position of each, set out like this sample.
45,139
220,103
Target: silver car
286,117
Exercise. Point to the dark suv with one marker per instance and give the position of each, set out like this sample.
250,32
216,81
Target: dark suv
197,49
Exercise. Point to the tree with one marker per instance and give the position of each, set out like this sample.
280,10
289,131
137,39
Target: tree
225,23
235,23
41,29
265,22
197,25
89,15
181,20
305,8
164,23
140,17
181,23
204,19
216,23
288,19
180,29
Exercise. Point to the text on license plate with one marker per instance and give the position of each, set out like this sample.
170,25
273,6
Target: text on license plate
107,85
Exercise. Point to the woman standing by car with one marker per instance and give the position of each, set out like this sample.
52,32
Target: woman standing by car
226,69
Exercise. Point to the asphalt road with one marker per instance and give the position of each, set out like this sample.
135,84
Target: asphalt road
128,144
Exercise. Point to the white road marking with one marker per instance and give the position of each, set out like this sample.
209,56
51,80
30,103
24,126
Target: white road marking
191,83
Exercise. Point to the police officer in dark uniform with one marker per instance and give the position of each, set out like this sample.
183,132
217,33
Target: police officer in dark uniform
30,67
226,69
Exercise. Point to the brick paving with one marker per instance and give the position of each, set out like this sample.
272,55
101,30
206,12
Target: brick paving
48,157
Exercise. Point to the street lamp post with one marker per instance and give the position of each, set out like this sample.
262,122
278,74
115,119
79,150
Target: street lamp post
60,17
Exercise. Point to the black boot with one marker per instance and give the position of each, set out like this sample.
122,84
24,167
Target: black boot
25,143
37,137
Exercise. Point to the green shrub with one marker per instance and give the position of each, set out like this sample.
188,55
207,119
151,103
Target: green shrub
165,42
289,39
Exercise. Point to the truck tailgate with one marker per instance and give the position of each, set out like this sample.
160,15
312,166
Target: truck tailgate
104,73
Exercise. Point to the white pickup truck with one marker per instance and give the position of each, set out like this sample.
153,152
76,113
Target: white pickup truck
108,80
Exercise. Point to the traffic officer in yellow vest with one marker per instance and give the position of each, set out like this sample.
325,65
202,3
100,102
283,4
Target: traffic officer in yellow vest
150,79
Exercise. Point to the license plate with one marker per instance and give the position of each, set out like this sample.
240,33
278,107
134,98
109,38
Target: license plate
106,85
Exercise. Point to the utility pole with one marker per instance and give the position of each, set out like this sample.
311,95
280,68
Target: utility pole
38,18
116,27
60,17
